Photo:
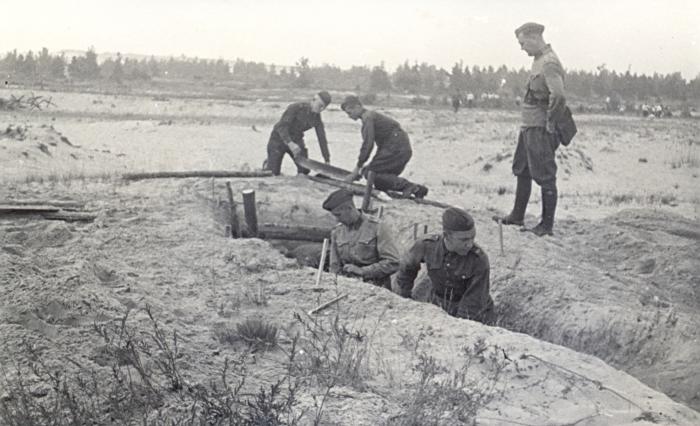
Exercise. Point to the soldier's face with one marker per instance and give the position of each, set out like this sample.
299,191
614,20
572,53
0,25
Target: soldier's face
354,112
459,242
346,214
317,104
528,44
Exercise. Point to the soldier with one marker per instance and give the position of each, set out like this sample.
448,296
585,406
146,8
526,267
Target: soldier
534,156
393,150
287,135
458,269
360,245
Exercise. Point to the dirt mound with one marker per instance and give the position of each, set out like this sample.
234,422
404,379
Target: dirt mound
160,244
42,150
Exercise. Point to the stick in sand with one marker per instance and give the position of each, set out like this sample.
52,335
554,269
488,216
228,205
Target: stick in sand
327,304
500,234
319,273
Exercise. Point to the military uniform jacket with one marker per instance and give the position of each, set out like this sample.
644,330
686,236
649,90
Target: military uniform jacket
460,283
298,118
544,95
383,130
369,245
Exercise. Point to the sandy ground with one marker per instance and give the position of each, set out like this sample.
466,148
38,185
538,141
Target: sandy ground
618,281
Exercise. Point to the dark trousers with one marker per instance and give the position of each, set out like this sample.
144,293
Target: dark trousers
388,164
535,156
276,149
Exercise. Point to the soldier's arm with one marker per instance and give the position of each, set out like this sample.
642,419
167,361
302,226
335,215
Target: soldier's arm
409,267
322,141
334,263
476,296
282,126
555,83
367,139
388,254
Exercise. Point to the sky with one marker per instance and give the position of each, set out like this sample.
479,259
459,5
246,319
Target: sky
645,36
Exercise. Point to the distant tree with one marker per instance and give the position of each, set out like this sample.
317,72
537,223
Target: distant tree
379,80
303,73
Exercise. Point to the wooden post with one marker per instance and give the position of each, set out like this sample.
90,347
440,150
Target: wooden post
233,218
367,199
415,231
425,229
500,235
250,211
380,213
227,231
319,273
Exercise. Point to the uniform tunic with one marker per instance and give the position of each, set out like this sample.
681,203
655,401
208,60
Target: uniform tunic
297,118
544,101
460,283
368,244
393,150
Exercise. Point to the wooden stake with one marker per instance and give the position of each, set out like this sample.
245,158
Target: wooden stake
250,212
380,213
500,235
327,304
415,231
367,199
319,273
233,218
425,229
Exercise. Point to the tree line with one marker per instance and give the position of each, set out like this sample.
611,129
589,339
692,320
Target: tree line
408,78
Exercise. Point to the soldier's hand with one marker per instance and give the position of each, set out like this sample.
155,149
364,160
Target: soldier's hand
550,127
353,176
352,269
296,149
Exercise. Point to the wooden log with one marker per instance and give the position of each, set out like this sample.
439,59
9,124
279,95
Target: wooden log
23,209
250,211
326,169
69,216
500,235
367,197
63,205
233,218
271,231
199,173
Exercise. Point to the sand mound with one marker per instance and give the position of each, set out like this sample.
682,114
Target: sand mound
32,150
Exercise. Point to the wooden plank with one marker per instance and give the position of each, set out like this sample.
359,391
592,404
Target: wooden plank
199,173
233,218
352,187
367,198
326,169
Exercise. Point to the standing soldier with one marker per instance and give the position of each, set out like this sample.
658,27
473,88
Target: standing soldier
542,106
287,135
458,269
360,245
393,150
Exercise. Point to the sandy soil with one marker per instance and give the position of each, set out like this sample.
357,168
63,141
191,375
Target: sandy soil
618,281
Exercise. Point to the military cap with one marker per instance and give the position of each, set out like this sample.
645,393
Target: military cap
530,28
454,219
350,101
337,199
325,97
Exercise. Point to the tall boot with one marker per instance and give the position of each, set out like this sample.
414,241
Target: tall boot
549,207
522,196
